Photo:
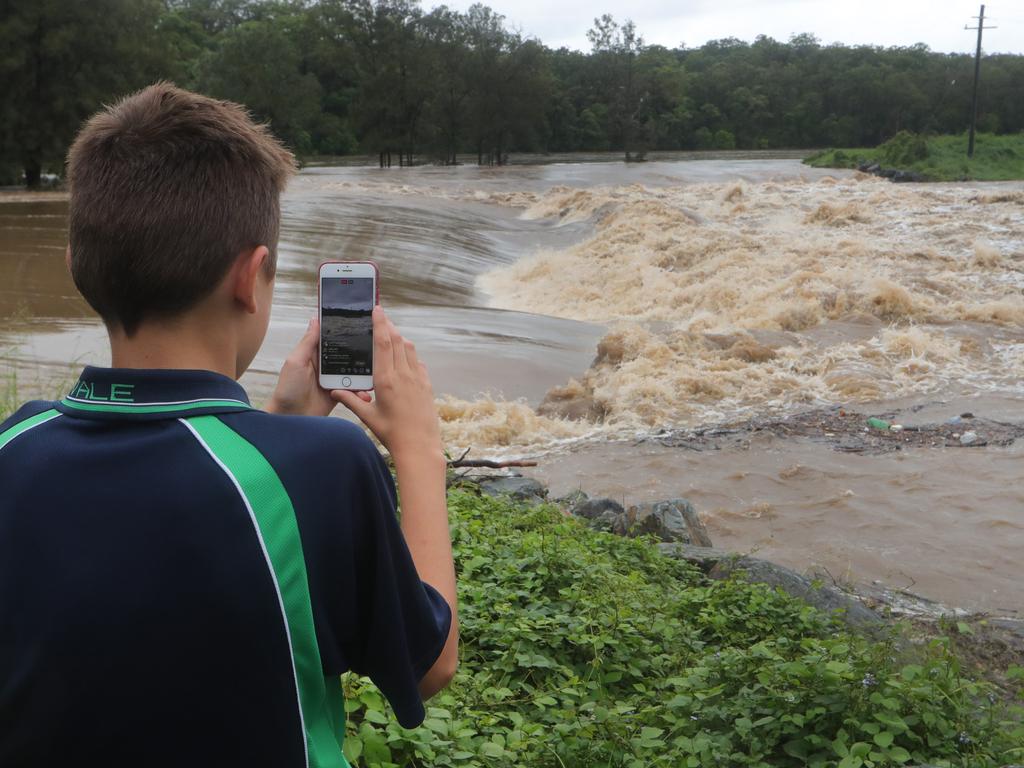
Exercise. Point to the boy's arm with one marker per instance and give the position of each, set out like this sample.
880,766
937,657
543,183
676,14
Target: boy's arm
404,419
421,485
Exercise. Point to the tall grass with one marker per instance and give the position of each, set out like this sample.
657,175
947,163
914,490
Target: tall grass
938,158
8,395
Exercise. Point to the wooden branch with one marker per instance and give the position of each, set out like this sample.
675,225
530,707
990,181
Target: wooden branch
488,464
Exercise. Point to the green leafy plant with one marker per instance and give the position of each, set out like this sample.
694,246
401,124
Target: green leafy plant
580,648
903,150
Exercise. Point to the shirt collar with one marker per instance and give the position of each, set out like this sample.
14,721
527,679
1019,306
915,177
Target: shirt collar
136,393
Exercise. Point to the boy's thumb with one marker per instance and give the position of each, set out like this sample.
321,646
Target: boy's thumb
354,403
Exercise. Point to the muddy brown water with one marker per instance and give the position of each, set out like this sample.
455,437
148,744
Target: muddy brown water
716,289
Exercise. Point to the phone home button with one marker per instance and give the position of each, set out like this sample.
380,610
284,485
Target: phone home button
346,382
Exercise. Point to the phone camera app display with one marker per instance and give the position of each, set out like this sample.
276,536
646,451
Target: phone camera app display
346,326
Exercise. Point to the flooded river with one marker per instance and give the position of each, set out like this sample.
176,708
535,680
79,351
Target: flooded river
661,296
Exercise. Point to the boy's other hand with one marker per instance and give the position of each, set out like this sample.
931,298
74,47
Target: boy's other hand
298,390
403,415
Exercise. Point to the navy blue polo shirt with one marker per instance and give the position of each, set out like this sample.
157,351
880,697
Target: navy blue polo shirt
183,578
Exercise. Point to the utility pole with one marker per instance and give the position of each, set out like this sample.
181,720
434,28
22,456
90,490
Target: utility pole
977,73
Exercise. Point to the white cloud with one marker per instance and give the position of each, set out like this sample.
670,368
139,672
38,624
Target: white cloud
937,23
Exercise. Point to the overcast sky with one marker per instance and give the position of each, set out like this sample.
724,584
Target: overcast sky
938,23
356,294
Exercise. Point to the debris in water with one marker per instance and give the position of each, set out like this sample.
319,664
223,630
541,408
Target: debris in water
843,430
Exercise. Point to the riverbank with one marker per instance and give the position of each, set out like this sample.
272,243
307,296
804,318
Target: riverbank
631,657
934,158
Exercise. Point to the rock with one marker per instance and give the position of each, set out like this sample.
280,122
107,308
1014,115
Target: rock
519,488
704,558
872,168
592,508
672,520
905,176
572,499
1014,629
825,598
968,438
886,172
600,514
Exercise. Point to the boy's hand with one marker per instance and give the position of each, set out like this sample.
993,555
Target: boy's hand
403,416
298,390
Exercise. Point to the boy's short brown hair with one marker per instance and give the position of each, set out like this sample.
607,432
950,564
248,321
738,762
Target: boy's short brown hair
168,187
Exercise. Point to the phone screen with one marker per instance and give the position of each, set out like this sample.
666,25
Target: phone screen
346,326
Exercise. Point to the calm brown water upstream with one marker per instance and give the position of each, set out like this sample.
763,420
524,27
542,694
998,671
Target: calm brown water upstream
708,291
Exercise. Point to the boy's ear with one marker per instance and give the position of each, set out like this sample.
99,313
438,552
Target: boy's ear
67,257
247,274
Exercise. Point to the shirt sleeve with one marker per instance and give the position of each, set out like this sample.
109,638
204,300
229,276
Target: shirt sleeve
401,622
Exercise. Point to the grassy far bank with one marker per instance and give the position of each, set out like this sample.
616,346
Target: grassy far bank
581,648
937,158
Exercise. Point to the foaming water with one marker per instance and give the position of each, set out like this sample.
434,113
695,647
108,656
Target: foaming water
730,298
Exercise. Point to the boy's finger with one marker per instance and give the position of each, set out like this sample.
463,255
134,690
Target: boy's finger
397,347
411,356
311,338
383,358
352,400
307,345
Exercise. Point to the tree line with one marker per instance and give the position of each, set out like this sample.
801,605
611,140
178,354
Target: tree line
407,85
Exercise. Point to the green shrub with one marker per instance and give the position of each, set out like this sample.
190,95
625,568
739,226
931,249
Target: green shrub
903,150
703,138
582,649
724,140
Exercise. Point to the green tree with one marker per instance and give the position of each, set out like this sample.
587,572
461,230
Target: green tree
273,85
388,78
59,62
615,49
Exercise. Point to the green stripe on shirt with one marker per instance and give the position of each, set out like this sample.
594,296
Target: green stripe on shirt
168,408
23,426
320,700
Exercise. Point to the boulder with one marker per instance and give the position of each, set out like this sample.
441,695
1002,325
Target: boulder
592,508
672,520
704,558
524,489
905,176
1014,631
600,514
825,598
572,499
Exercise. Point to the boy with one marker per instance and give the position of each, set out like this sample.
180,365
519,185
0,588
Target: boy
182,577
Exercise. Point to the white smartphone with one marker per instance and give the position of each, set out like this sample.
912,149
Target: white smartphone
348,293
